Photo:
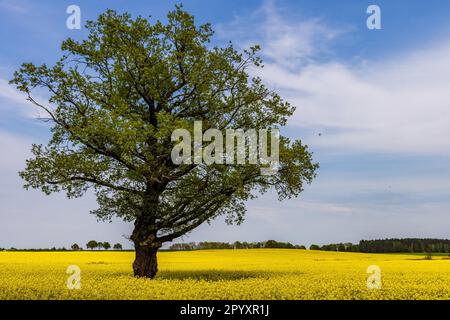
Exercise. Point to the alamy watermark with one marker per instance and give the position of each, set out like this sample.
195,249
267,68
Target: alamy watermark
373,22
240,147
374,278
74,19
74,278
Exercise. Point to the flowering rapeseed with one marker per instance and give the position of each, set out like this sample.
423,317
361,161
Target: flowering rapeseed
224,274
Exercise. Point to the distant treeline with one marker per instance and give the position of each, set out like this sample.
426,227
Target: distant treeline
367,246
342,247
390,245
236,245
405,245
92,244
35,249
412,245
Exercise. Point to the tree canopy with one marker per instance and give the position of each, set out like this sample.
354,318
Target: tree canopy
92,244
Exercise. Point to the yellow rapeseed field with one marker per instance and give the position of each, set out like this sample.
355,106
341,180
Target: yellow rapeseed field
225,274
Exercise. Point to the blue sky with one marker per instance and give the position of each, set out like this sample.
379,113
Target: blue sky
379,98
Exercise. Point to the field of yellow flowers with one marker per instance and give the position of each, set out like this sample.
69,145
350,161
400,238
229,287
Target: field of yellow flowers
225,274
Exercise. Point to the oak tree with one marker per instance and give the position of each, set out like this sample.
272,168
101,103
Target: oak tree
114,100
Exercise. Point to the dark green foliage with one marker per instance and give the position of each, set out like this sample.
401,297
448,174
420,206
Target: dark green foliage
236,245
405,245
92,244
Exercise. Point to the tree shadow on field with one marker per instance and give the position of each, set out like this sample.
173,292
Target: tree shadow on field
214,275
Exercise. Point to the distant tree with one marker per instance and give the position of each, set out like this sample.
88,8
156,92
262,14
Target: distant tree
276,244
331,247
314,247
271,244
352,248
92,244
237,245
106,245
117,246
429,252
182,246
75,247
100,245
301,247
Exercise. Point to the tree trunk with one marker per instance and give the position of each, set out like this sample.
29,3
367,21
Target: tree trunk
146,247
145,264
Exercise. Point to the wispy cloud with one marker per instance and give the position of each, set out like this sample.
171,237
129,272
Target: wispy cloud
287,43
401,105
8,92
398,105
14,6
16,101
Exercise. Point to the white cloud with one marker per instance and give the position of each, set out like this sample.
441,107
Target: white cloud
291,43
7,91
399,105
14,6
13,100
